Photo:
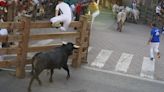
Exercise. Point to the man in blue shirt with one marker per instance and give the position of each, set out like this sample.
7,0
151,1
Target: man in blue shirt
154,41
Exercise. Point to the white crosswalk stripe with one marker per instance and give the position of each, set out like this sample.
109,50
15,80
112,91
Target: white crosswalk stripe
101,58
148,68
124,62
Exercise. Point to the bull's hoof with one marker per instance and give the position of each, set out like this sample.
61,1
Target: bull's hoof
67,77
29,90
50,80
40,83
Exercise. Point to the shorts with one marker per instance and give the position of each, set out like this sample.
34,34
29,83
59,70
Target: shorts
157,14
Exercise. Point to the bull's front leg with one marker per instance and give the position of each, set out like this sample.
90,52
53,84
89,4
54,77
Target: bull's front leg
52,71
65,67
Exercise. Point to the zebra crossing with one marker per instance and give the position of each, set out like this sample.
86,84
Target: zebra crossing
122,64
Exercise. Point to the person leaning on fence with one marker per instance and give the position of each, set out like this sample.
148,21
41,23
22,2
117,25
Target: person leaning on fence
94,10
2,33
154,41
65,15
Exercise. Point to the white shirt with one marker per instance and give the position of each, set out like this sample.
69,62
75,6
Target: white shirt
3,32
65,9
36,1
158,9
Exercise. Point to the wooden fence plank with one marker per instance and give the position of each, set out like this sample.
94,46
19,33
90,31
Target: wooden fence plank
9,50
42,48
5,64
16,25
55,35
47,24
10,38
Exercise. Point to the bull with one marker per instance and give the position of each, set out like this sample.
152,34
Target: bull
54,59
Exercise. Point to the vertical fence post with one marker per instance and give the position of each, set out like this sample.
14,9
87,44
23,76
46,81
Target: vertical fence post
78,55
86,39
23,45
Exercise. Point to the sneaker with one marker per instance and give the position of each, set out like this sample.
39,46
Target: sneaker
151,59
62,29
56,25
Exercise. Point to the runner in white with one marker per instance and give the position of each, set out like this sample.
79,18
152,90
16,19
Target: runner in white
65,15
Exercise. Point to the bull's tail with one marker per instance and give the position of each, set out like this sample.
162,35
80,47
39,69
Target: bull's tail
32,62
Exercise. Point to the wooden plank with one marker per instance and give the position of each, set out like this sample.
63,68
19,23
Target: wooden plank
9,50
47,24
10,38
42,48
5,64
55,35
16,25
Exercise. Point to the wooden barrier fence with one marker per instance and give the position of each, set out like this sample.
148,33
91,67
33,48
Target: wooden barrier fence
24,37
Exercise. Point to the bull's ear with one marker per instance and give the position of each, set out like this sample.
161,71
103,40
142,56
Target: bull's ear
64,43
76,46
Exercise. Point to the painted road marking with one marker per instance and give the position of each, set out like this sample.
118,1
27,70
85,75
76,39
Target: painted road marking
124,62
123,74
148,68
101,58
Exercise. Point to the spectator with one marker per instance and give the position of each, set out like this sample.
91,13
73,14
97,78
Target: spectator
162,29
94,9
134,4
162,7
78,11
158,11
3,44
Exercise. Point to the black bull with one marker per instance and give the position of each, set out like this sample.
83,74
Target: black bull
54,59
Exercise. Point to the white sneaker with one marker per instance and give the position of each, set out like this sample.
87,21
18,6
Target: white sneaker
57,24
62,29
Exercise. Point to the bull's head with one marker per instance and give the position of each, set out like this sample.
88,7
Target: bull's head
69,47
74,46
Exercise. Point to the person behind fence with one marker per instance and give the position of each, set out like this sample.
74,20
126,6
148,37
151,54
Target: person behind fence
134,4
154,41
63,14
162,30
2,33
158,11
94,9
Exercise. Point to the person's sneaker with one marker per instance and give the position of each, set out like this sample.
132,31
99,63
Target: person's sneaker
151,59
56,25
62,29
158,55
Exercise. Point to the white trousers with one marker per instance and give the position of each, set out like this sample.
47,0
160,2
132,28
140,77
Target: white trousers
94,15
62,18
154,47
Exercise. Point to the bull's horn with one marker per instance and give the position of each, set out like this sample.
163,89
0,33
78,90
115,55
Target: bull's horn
64,42
75,46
